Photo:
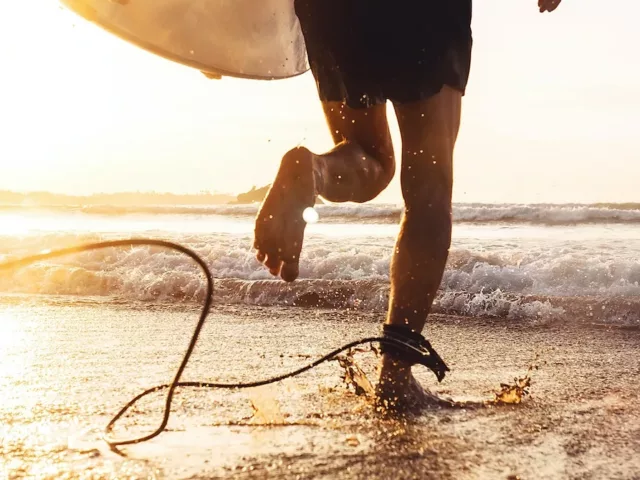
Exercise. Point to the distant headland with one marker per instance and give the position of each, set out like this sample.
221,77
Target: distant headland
49,199
256,195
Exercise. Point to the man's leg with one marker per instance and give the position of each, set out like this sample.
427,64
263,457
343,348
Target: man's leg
429,129
357,169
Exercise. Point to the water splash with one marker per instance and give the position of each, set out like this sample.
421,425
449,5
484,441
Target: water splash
514,394
266,408
353,376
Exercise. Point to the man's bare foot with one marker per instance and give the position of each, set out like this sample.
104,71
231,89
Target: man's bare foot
399,391
279,229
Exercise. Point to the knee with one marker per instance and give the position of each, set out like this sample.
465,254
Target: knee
427,172
427,212
388,170
421,191
383,157
377,169
427,187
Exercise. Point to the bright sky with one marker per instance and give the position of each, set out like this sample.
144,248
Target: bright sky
551,113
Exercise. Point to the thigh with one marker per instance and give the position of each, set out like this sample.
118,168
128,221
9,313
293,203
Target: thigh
434,119
429,130
342,59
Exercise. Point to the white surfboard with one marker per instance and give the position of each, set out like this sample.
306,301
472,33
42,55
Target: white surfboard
256,39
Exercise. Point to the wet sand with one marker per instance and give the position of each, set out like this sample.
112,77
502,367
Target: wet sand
581,420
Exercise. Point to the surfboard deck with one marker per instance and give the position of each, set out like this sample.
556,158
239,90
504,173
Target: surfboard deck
253,39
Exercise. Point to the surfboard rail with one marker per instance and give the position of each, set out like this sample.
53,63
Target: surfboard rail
250,39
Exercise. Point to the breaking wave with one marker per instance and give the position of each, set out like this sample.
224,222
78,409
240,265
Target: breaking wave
540,214
543,281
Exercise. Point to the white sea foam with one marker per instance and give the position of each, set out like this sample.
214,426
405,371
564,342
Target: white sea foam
468,213
511,279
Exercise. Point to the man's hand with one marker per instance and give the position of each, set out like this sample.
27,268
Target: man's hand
212,76
548,5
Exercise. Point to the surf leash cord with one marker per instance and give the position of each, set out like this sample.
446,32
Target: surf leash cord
396,341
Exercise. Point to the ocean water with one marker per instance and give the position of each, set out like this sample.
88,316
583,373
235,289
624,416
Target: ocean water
510,261
80,336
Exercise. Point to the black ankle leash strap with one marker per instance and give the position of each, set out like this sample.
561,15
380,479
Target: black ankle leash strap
416,349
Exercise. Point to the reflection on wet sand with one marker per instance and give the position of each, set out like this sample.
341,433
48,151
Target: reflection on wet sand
66,368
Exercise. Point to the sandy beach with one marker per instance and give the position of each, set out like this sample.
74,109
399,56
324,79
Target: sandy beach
581,419
537,312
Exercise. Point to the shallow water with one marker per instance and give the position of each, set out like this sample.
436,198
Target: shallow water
66,367
493,268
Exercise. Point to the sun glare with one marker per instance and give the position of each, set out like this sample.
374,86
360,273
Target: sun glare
10,335
83,111
13,225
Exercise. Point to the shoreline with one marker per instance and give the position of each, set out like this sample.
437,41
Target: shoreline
338,296
581,419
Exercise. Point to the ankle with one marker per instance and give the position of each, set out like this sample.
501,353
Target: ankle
393,383
394,370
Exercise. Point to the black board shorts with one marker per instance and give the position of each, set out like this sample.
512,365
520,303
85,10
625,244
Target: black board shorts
365,52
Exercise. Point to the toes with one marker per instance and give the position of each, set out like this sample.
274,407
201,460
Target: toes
290,271
273,263
274,271
270,259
